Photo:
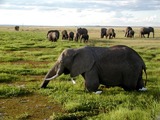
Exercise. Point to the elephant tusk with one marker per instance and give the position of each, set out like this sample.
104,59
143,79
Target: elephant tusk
52,77
73,81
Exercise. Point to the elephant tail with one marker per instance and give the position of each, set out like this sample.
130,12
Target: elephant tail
144,69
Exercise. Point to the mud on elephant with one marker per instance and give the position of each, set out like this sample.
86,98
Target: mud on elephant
114,66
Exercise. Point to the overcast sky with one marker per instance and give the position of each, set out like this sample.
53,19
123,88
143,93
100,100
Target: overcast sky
80,12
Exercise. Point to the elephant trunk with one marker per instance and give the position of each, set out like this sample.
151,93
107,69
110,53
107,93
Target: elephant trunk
52,74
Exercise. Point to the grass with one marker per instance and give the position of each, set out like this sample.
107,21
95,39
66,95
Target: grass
26,56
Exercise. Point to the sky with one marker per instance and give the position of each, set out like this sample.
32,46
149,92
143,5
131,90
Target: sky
80,12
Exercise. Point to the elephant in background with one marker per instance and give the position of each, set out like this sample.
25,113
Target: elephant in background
64,35
16,28
127,31
111,66
103,32
84,38
111,33
80,31
71,35
146,30
130,33
53,35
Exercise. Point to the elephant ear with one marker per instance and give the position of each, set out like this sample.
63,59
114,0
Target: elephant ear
83,61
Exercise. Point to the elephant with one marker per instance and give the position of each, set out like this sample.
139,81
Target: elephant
146,30
84,37
130,33
112,66
64,35
103,32
127,31
70,35
111,33
53,35
16,28
80,31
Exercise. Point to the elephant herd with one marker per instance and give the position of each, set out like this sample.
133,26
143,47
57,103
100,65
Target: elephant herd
108,33
129,32
144,30
81,34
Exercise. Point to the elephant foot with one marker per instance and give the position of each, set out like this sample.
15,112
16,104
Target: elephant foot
143,89
98,92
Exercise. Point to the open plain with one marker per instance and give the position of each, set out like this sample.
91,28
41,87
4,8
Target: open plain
26,56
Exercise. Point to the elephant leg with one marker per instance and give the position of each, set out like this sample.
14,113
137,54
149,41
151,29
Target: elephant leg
140,83
91,81
129,82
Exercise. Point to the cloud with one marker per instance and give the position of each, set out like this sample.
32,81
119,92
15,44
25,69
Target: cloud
104,5
80,12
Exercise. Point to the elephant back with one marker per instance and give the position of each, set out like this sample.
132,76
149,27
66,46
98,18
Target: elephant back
82,31
128,29
110,30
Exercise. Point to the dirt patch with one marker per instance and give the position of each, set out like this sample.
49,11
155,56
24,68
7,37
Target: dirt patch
36,107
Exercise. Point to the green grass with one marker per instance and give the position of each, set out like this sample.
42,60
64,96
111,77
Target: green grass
12,91
26,56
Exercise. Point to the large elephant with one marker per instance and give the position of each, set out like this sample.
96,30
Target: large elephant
111,33
146,30
53,35
103,32
64,35
113,66
127,31
80,31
